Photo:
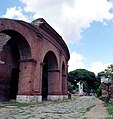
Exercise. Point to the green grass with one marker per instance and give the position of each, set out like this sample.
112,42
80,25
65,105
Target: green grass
31,104
109,109
16,104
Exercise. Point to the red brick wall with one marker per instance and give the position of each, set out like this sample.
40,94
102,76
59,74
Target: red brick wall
33,49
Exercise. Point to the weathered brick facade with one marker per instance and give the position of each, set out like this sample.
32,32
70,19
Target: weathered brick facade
33,64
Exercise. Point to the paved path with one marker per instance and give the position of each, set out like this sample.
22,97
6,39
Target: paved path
97,112
71,109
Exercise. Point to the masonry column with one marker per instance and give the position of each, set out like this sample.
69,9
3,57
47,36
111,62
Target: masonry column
53,85
26,77
64,87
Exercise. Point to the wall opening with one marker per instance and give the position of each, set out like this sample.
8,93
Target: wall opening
49,63
14,83
45,79
63,78
13,48
10,70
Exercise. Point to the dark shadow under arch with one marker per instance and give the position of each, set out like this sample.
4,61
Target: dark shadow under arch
49,63
63,68
63,78
13,51
24,47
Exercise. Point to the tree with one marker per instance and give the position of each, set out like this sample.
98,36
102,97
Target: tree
87,77
70,87
108,72
81,74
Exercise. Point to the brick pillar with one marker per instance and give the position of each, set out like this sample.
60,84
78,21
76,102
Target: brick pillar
53,85
26,80
64,87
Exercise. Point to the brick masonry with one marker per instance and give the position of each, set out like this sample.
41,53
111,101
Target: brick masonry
35,58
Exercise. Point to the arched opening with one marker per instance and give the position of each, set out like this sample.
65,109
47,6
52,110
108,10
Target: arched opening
14,48
24,48
63,69
49,64
63,78
9,73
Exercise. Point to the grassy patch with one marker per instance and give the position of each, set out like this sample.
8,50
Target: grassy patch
16,104
31,104
109,109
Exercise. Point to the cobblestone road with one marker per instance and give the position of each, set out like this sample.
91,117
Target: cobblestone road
71,109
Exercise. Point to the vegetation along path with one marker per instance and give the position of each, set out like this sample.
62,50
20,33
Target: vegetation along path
71,109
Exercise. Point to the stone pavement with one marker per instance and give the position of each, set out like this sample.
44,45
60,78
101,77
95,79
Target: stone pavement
71,109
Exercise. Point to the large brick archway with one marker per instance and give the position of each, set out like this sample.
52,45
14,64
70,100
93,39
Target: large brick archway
14,52
9,71
33,61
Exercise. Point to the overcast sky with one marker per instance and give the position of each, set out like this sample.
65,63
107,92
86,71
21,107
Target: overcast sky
85,25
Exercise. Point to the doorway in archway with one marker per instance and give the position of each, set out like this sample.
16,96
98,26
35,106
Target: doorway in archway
45,80
13,49
50,64
11,56
63,78
14,83
9,75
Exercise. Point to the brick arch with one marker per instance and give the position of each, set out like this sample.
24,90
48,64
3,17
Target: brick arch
51,50
26,30
52,60
23,45
16,56
63,69
9,74
50,69
15,50
64,79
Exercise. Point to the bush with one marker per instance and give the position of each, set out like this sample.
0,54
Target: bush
99,91
109,109
70,87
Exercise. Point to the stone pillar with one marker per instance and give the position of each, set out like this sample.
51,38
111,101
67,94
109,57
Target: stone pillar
26,81
53,85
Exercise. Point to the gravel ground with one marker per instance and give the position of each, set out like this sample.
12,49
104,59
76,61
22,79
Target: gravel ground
70,109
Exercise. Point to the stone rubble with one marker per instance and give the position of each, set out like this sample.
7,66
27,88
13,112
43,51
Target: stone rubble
70,109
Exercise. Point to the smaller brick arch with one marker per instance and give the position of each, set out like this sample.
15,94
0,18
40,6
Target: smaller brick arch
50,67
63,69
64,80
52,60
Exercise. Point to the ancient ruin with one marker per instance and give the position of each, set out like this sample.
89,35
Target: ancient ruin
33,61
